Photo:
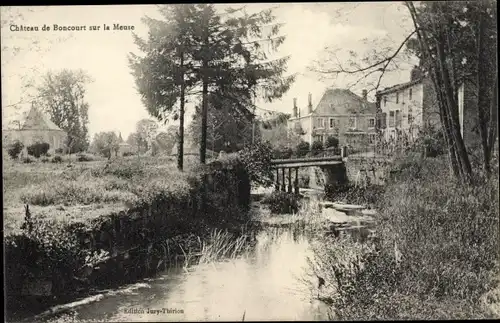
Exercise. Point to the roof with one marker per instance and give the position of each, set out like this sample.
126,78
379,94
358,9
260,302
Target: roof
343,103
39,121
399,87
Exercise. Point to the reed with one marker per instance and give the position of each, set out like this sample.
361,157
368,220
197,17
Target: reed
222,245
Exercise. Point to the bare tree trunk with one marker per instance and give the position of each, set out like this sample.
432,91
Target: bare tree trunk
180,148
448,105
204,104
492,135
452,105
487,103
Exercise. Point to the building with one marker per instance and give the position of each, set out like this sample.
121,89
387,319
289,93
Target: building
123,147
340,113
410,107
37,127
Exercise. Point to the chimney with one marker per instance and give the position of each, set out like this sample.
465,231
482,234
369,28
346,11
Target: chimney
295,107
309,103
364,94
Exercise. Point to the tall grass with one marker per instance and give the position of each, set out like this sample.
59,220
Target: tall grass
437,254
220,245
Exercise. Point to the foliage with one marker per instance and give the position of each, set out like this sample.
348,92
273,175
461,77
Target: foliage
360,195
227,130
105,143
59,151
304,180
62,95
146,130
128,153
281,202
28,160
15,149
38,149
257,161
277,133
435,255
316,147
85,157
302,148
166,140
331,141
220,52
56,159
282,153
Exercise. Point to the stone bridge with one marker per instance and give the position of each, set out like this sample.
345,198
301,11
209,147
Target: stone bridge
331,170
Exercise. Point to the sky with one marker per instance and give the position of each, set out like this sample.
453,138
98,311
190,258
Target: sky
114,102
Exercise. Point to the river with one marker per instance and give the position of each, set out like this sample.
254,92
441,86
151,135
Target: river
269,283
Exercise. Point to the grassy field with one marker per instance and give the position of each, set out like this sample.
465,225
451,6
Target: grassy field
77,191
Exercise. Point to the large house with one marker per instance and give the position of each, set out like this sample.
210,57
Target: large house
37,127
410,107
340,113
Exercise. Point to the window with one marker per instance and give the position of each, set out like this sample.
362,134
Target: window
398,118
332,123
371,138
385,101
371,123
321,122
410,94
391,119
410,116
397,97
351,123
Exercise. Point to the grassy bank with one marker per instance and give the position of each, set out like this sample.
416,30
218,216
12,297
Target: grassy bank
436,257
102,222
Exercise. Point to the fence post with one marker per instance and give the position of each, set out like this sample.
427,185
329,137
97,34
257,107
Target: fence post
283,182
296,181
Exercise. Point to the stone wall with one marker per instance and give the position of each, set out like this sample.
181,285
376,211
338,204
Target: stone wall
363,171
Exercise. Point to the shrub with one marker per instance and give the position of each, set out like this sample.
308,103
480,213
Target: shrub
15,149
282,153
57,159
28,160
304,180
38,149
302,148
316,147
331,141
84,157
124,168
257,162
332,151
44,159
128,153
59,151
281,202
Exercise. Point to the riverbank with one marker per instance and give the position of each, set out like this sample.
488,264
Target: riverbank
436,255
66,249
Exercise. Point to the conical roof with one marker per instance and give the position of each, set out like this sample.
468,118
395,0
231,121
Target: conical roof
36,120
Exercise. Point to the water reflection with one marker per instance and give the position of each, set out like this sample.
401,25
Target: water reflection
264,285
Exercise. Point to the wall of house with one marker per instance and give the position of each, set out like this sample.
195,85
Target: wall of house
338,125
305,124
56,139
409,103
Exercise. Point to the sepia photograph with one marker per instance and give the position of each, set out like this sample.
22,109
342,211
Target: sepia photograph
327,161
